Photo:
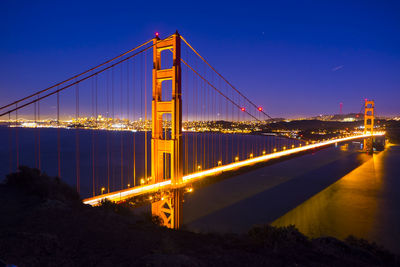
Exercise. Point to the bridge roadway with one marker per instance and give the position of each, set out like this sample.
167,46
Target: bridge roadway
124,194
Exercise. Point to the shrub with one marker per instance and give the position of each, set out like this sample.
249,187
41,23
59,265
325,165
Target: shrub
148,217
34,182
272,237
121,208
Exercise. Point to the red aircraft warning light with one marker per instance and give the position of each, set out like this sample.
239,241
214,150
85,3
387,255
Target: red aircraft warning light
242,109
157,33
259,108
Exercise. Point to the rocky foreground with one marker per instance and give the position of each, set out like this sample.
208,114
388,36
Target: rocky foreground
44,223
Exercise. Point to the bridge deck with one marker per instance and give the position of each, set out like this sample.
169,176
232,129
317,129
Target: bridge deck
122,195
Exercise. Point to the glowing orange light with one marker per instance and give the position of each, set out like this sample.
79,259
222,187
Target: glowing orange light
259,108
157,34
243,109
126,193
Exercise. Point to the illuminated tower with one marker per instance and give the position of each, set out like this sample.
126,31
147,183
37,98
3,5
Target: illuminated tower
166,148
369,124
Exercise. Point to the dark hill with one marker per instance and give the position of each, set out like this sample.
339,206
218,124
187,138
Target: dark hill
43,223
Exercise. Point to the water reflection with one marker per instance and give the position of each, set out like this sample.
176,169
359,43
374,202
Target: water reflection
333,192
348,206
263,195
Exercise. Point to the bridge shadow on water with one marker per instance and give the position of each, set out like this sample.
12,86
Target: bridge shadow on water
328,193
364,203
265,194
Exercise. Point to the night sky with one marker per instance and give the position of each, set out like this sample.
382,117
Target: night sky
295,58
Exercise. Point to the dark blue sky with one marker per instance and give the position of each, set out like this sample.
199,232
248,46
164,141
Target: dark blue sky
292,57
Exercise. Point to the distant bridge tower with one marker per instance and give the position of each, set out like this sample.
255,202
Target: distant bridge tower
369,124
166,148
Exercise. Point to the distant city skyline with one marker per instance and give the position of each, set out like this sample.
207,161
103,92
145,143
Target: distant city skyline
300,63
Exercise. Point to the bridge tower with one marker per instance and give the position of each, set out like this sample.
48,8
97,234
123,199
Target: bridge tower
166,148
369,124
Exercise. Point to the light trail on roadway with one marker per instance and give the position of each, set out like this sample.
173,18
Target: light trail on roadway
122,195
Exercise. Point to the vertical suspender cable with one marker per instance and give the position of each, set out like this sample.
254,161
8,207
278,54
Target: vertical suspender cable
39,160
128,116
77,138
58,135
113,182
96,132
10,143
121,132
133,120
195,99
36,134
16,135
141,100
186,95
92,134
108,132
145,115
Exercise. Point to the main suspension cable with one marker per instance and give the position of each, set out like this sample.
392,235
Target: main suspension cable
222,77
76,82
76,76
216,89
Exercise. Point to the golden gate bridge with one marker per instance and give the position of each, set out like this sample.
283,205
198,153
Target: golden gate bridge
131,141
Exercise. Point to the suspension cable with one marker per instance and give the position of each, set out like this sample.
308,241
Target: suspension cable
76,76
220,75
216,89
76,82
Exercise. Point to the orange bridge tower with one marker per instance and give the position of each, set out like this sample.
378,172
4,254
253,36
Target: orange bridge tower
166,146
369,125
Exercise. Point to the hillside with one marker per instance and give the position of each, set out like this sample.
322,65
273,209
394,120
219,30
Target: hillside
44,223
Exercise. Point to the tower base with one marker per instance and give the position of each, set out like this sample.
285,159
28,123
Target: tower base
368,145
168,208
